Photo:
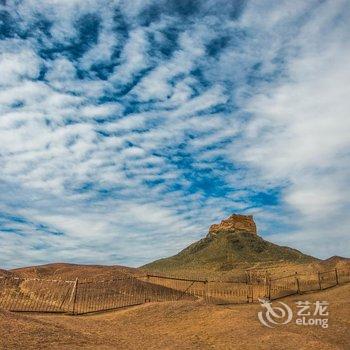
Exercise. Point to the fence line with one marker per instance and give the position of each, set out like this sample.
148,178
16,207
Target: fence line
302,283
20,294
87,296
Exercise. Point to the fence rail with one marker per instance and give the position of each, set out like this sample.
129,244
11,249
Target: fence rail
82,297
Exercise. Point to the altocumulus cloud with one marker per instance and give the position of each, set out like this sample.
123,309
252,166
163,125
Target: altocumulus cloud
126,128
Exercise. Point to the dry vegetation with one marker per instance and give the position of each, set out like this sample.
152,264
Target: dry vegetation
178,325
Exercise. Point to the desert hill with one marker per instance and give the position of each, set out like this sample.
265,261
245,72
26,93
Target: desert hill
232,244
72,271
335,261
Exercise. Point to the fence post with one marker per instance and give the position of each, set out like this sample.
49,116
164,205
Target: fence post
297,282
269,289
73,297
206,291
319,280
266,284
336,276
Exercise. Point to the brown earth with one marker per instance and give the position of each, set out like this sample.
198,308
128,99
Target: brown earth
179,325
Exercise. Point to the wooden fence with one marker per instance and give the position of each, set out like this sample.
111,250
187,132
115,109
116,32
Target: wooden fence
82,297
302,283
19,294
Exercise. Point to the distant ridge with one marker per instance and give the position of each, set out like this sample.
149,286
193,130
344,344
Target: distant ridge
227,245
72,271
336,259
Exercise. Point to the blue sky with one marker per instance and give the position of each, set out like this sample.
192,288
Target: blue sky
128,127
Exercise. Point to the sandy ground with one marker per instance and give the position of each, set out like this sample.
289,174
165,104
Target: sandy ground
179,325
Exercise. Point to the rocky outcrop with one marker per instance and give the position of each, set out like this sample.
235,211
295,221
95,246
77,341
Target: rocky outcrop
235,223
232,242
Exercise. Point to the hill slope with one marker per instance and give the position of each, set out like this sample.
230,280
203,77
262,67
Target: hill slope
72,271
232,243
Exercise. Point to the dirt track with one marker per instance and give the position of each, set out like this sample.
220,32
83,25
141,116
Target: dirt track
179,325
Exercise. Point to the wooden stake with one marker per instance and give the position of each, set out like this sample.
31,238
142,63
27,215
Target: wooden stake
336,275
297,282
73,296
206,287
319,280
266,284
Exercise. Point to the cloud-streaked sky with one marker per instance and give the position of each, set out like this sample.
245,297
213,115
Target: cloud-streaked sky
128,127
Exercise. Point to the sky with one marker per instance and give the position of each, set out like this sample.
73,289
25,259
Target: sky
128,127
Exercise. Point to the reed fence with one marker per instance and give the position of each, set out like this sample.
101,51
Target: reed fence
302,283
83,297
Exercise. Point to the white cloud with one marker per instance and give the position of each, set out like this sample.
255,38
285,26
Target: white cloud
15,66
134,57
61,69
